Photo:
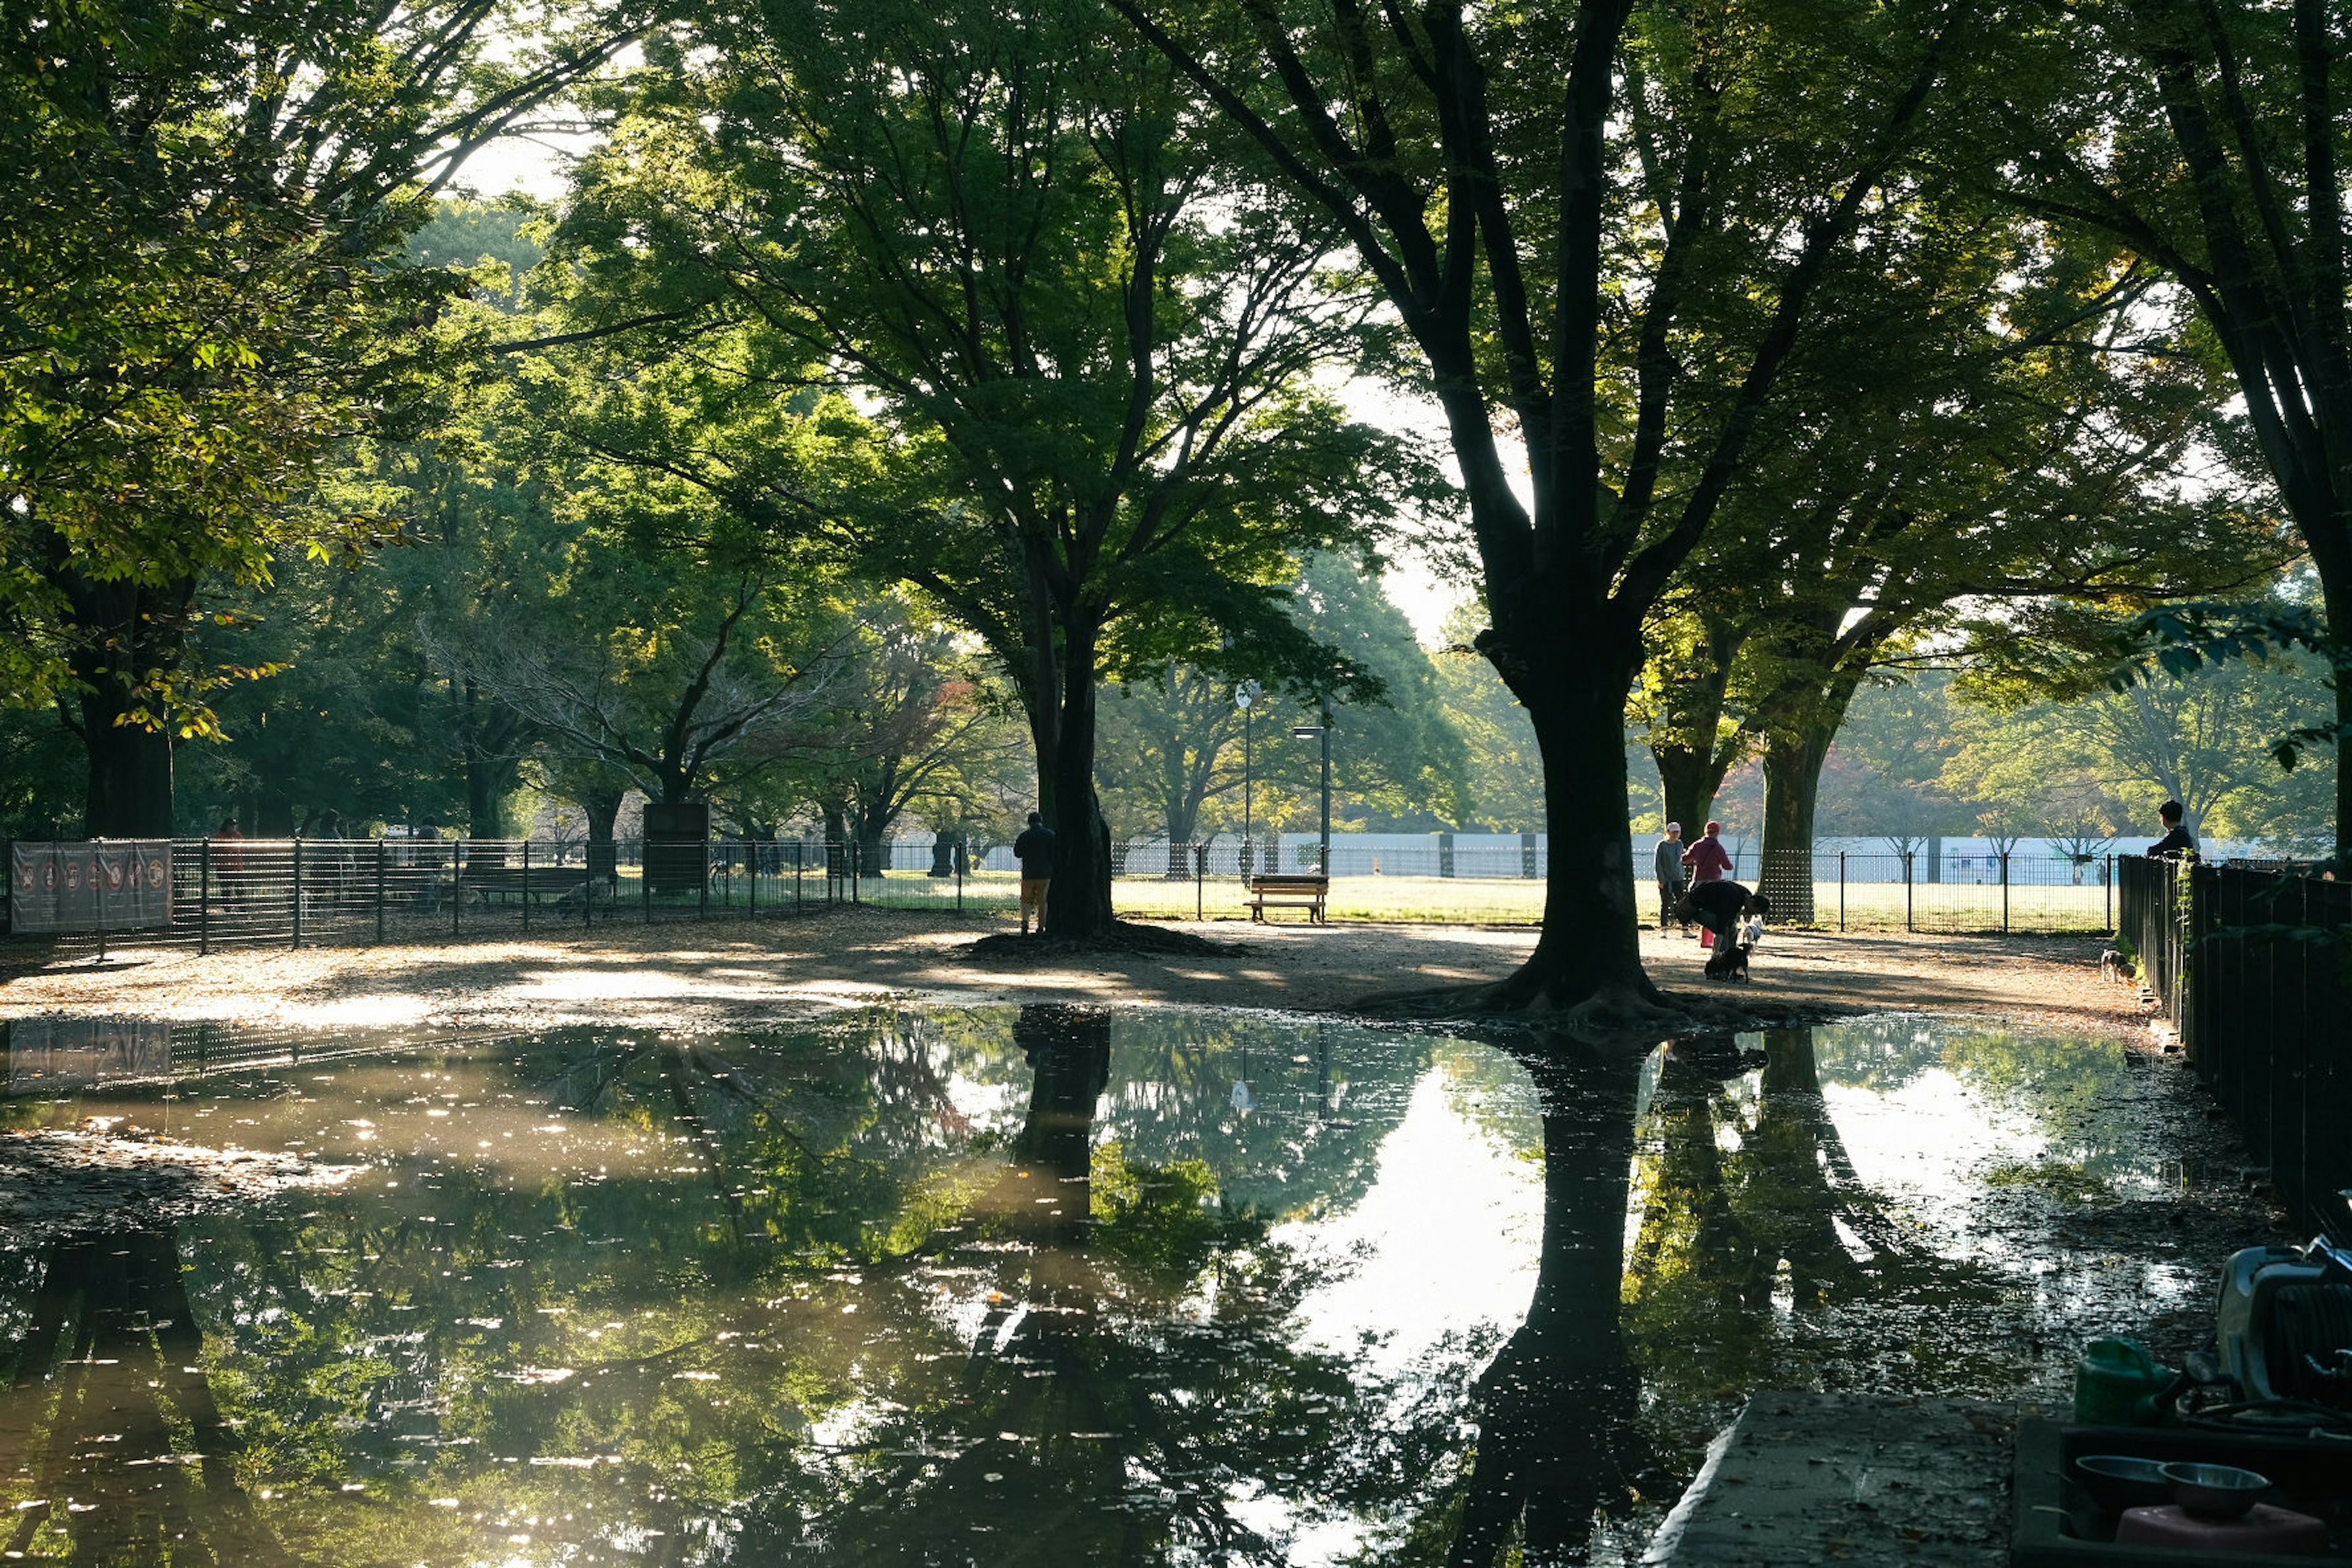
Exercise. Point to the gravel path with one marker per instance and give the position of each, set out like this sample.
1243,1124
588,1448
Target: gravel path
691,976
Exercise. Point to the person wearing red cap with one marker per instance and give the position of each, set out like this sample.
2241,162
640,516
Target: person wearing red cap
1708,862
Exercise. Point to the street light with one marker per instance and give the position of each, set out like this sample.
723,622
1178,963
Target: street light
1246,696
1322,732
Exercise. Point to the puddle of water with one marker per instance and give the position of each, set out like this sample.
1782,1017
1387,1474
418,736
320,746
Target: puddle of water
944,1287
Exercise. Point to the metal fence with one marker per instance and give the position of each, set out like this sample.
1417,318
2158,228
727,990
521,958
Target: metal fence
45,1057
230,892
223,892
2248,965
1861,890
1831,889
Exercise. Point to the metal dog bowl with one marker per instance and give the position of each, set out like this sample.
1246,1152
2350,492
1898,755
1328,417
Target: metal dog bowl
2118,1482
2215,1491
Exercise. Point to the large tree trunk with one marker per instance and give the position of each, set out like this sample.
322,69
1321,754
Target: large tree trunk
873,824
1685,742
2335,596
273,810
129,789
127,632
486,736
1573,684
1183,819
603,807
1689,780
1792,786
1800,727
1079,907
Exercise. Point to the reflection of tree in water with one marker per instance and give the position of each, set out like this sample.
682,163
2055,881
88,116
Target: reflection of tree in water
1123,1358
1883,1055
1750,1208
1133,1373
406,1340
810,1153
120,1453
2067,1087
1557,1436
1325,1103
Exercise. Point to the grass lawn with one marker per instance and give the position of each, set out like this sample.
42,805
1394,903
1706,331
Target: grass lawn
1860,906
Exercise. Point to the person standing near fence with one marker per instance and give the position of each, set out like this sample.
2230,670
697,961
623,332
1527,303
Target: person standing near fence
228,855
1670,875
2176,841
1035,849
1709,861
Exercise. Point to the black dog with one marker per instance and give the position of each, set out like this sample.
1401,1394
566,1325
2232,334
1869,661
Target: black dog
1730,962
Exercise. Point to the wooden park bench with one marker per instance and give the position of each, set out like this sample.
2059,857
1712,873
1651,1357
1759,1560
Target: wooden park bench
480,882
1294,889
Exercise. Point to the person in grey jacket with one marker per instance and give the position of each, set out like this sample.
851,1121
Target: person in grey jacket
1670,875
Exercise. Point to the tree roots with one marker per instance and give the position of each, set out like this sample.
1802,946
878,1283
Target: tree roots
1625,1014
1123,937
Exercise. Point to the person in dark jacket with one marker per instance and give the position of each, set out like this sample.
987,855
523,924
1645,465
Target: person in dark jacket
1718,906
2176,841
1035,849
1670,874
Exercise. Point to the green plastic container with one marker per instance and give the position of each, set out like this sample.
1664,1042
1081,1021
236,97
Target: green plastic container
2117,1381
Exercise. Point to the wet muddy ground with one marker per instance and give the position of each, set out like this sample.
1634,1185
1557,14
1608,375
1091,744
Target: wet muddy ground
695,976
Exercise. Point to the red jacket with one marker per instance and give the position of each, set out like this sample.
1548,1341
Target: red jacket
1708,861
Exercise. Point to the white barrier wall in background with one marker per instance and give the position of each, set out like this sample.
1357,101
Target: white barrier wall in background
1509,854
1480,855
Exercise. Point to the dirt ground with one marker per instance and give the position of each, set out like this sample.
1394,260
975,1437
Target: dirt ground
690,976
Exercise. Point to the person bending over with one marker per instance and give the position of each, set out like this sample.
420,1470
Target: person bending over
1719,906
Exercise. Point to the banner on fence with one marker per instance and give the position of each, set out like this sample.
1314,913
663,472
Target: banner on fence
121,884
58,1055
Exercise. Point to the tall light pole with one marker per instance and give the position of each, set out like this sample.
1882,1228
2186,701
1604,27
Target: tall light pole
1245,697
1322,732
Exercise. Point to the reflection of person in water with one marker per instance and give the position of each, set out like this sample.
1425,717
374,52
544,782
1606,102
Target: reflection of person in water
1748,1197
1713,1057
1069,1052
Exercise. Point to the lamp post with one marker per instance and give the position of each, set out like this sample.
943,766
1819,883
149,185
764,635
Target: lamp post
1245,697
1322,732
